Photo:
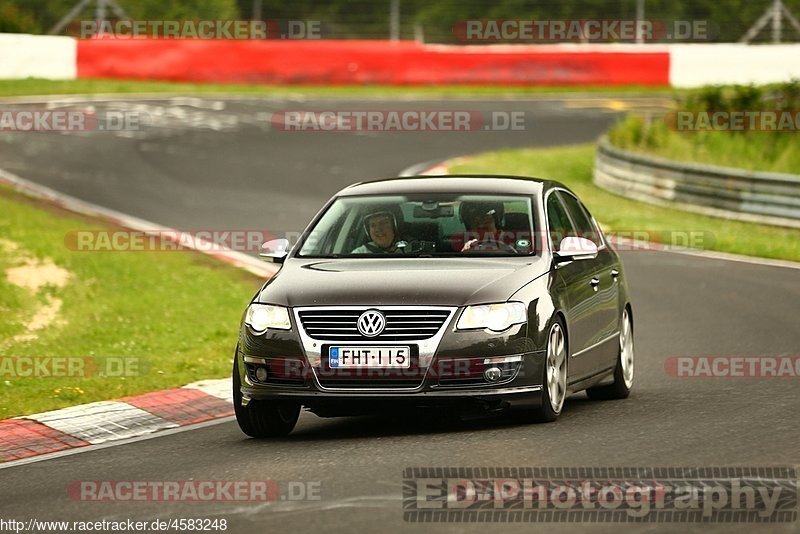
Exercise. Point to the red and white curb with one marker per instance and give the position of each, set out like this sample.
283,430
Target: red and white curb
426,168
436,170
106,421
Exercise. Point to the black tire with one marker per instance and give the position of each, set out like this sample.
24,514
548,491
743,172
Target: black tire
259,418
617,390
545,413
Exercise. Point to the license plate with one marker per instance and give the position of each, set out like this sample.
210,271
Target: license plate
396,357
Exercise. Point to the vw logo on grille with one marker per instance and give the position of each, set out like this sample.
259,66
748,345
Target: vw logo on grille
371,323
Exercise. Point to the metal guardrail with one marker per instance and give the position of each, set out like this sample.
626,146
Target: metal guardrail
763,197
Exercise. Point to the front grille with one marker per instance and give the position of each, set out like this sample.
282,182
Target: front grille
344,383
401,325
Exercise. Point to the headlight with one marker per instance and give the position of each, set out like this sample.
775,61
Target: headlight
259,317
496,317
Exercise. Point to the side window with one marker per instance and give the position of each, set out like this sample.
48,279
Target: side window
599,236
580,216
558,223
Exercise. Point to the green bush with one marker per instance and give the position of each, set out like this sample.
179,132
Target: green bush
748,149
14,20
38,16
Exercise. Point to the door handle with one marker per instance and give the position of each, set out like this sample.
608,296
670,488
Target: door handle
614,273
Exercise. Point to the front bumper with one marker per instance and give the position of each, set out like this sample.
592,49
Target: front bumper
327,404
449,370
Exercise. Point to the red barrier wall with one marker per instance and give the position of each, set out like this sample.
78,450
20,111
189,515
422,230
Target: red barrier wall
366,62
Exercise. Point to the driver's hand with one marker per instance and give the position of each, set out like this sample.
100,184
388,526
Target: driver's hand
469,244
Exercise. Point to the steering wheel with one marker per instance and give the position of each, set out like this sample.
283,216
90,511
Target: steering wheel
491,244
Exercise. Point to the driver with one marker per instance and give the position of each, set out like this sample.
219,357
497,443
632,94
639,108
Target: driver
483,220
381,227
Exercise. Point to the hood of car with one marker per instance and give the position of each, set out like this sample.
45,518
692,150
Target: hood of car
400,281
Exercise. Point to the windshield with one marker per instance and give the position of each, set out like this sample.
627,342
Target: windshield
423,225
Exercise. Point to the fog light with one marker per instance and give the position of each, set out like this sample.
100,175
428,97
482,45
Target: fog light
261,374
492,374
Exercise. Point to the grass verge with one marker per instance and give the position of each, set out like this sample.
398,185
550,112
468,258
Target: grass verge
165,318
754,151
573,167
755,146
35,86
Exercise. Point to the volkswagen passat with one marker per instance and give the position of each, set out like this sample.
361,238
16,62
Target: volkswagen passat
490,291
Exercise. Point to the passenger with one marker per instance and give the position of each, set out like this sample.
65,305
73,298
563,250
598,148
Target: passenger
483,221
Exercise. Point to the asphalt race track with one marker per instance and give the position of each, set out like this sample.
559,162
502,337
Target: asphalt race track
196,166
215,164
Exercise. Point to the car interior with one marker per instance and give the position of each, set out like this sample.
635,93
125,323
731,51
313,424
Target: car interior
432,226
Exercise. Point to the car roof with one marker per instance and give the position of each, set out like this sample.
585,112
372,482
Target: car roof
460,183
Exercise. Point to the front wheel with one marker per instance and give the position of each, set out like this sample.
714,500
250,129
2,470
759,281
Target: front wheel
554,382
262,418
623,372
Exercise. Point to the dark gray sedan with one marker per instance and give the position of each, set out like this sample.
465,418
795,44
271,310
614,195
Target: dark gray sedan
495,292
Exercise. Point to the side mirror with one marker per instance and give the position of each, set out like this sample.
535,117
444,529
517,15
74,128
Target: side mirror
575,248
275,250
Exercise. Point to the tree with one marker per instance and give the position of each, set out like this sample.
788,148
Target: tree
15,20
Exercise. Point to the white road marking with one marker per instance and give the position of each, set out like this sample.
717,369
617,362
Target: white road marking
100,422
220,388
90,448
